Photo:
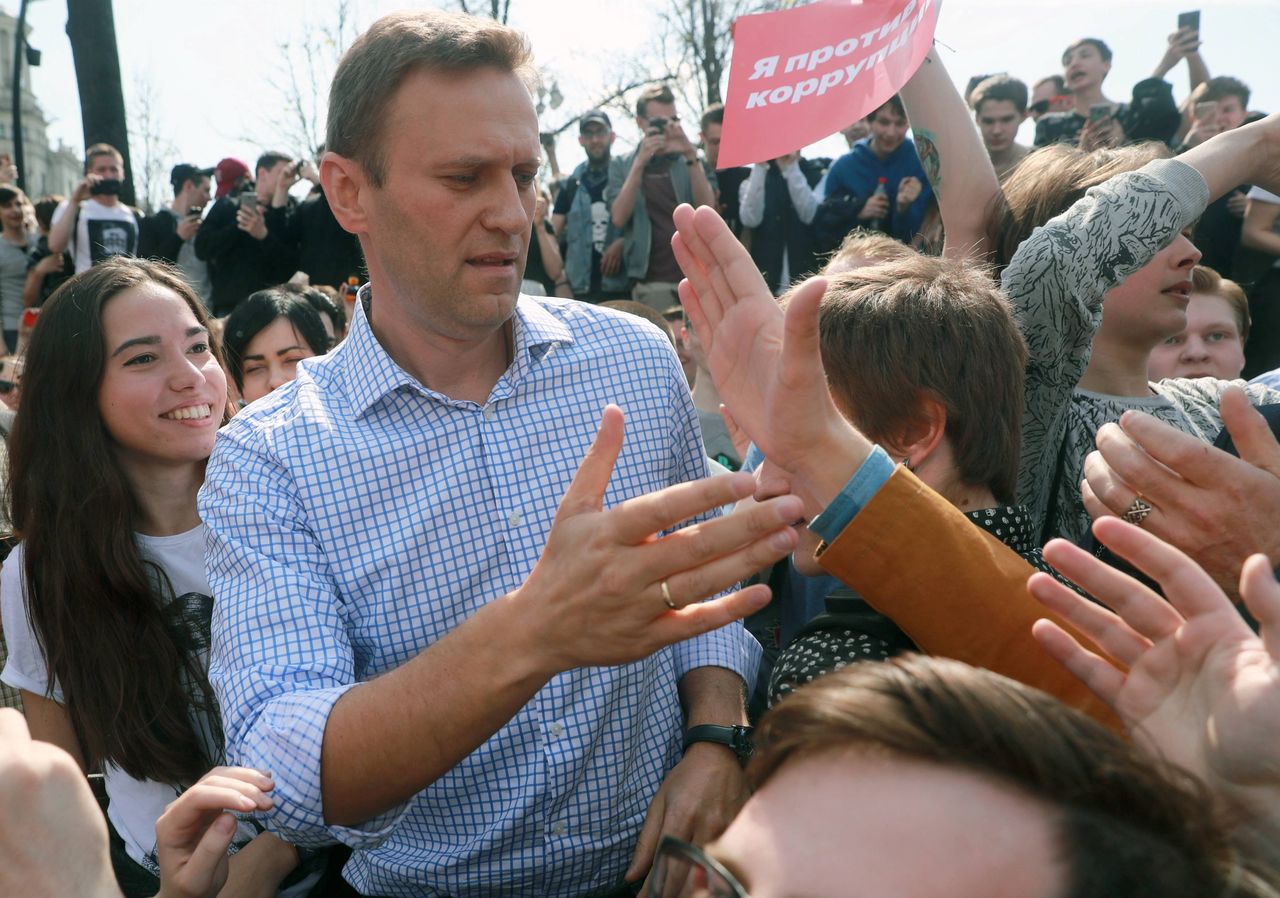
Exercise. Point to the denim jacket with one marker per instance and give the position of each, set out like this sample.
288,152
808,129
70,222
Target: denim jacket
577,258
638,234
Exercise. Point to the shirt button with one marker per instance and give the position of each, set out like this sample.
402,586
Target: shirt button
557,730
514,519
558,828
488,412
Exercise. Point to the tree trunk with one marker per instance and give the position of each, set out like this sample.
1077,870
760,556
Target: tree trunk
92,31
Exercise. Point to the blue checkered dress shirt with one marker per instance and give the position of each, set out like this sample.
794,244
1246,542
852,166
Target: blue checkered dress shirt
356,516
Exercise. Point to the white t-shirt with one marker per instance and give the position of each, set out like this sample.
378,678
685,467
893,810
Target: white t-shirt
135,805
1266,196
101,232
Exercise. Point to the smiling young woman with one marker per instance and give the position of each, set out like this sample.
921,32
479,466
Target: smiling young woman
105,603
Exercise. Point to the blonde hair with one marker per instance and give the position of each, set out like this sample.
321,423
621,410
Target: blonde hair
1205,280
871,245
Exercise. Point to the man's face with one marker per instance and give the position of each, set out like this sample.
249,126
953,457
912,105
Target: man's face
107,167
797,836
998,120
448,230
855,132
1150,305
268,178
1084,68
654,109
200,192
1210,346
1231,113
711,142
596,139
1045,99
888,130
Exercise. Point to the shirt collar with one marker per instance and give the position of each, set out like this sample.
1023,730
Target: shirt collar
1011,524
372,374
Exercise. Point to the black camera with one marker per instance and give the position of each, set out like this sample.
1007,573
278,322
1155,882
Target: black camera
658,125
106,187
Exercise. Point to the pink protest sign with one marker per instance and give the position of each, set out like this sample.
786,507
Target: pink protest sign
802,74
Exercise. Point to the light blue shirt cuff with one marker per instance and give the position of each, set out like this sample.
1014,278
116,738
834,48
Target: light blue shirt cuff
873,473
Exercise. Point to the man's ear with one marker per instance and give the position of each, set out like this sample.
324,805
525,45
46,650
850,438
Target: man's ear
919,438
346,188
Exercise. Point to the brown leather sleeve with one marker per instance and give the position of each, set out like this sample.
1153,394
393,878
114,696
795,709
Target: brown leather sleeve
955,589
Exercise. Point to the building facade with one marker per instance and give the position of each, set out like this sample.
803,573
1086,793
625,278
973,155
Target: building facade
49,170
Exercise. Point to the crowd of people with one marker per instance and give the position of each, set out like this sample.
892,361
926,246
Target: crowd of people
899,523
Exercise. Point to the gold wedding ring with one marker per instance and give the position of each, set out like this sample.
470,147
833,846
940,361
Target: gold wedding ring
666,596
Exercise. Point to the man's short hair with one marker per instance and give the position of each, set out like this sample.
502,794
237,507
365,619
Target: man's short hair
999,87
1220,88
100,149
1103,50
654,93
714,115
894,103
1127,823
45,207
183,172
920,326
874,246
1205,280
1059,84
270,158
372,70
10,193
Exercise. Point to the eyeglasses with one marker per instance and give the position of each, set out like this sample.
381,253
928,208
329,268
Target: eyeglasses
682,870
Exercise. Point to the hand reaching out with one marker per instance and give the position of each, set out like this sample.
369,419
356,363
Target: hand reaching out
1186,675
767,365
193,833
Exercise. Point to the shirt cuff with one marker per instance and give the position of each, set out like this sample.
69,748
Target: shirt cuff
730,647
287,739
873,473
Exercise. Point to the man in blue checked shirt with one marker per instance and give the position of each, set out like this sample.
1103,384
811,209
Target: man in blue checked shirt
478,691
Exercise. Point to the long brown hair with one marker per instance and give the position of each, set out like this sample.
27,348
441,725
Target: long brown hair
1049,181
94,603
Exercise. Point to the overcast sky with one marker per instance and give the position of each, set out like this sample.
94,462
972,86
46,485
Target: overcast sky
215,67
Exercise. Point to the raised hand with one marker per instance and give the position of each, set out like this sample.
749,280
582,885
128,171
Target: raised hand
767,365
600,581
193,833
1217,508
1186,675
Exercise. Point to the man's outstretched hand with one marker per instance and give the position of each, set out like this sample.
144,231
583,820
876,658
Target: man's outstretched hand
766,364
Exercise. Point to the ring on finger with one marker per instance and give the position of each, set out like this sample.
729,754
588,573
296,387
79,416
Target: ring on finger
666,597
1137,511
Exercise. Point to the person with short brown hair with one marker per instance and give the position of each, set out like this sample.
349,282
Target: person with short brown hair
644,189
1000,107
461,653
93,224
1212,343
964,783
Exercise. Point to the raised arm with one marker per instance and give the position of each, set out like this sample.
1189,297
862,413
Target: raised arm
951,151
348,754
956,590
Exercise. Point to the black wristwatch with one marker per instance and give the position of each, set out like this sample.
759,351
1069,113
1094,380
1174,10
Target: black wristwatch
736,738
